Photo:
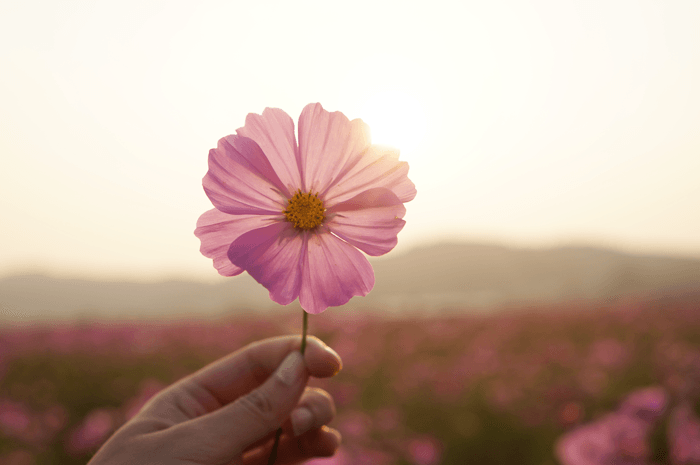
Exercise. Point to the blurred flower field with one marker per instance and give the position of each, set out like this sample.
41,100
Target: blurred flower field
577,383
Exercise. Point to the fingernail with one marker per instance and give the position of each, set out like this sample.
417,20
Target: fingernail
335,354
338,436
302,420
291,369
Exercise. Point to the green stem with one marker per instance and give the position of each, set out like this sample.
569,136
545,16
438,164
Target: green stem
303,334
273,452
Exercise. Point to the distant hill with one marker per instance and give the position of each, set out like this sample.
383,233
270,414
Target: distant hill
477,275
458,276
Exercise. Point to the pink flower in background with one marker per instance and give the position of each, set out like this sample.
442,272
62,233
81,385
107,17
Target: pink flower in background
355,424
294,216
425,450
618,438
570,413
91,433
610,353
615,439
14,418
55,418
647,404
684,436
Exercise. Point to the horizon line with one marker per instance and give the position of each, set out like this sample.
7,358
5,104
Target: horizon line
214,278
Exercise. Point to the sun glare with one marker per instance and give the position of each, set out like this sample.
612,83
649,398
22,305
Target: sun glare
396,119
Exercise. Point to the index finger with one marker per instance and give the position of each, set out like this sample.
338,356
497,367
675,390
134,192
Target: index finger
228,378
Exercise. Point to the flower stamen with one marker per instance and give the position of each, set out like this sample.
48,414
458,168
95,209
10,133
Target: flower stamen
305,210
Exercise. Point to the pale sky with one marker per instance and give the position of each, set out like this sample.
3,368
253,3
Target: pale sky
525,123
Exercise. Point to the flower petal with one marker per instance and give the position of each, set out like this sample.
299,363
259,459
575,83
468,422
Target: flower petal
273,256
370,221
378,167
217,230
273,131
333,272
241,181
329,143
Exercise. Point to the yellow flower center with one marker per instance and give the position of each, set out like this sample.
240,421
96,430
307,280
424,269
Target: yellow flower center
305,210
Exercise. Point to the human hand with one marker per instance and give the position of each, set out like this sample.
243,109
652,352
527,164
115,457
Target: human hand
228,412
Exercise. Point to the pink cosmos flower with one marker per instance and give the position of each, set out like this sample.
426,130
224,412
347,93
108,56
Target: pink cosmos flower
14,418
92,432
645,404
684,435
294,215
618,438
615,439
425,450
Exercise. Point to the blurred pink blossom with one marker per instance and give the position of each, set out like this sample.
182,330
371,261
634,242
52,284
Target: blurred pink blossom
14,418
55,418
425,450
570,413
91,433
502,393
619,437
485,355
608,353
647,404
355,424
615,439
684,436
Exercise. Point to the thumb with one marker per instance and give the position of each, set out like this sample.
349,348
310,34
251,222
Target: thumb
259,413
